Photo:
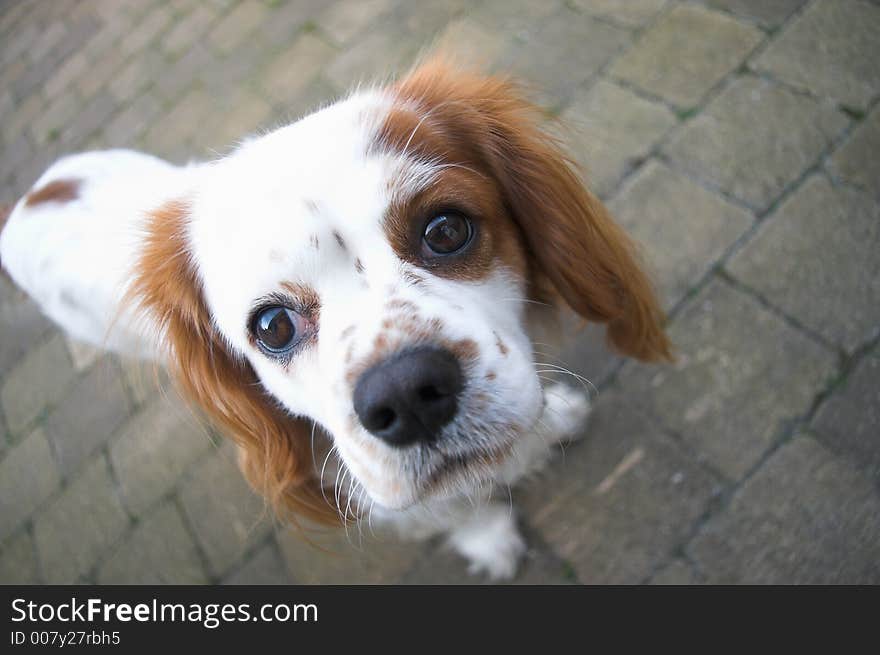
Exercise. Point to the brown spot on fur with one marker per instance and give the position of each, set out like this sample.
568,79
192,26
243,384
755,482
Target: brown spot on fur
535,214
340,240
466,350
59,191
502,347
491,375
275,446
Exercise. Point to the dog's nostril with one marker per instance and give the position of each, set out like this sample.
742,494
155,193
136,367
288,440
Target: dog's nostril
429,394
382,418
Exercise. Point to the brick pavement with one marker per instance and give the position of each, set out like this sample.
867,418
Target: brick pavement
737,139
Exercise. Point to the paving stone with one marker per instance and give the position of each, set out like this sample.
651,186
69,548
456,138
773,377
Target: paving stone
610,129
515,17
178,125
154,449
467,41
741,377
83,355
237,25
188,30
292,70
28,476
50,124
858,160
682,228
158,551
237,70
28,109
93,116
682,70
131,123
329,556
374,57
677,572
265,567
769,13
72,69
755,139
103,69
138,74
80,525
563,52
344,20
248,114
816,258
288,19
38,381
632,13
45,41
804,518
849,421
88,416
22,325
583,350
146,31
621,500
144,379
831,50
182,74
392,49
18,561
228,518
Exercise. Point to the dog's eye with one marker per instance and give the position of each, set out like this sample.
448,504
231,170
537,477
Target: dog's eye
447,233
276,328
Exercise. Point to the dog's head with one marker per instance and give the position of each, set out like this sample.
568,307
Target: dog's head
371,270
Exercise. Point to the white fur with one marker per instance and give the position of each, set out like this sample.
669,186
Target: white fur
253,216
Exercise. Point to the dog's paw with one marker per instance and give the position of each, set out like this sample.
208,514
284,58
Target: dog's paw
491,543
566,411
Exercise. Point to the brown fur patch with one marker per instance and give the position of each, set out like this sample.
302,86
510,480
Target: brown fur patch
529,196
59,191
276,456
502,347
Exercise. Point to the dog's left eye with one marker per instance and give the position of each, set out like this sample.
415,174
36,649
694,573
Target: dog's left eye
276,328
447,233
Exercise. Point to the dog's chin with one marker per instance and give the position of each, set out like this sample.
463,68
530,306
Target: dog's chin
450,476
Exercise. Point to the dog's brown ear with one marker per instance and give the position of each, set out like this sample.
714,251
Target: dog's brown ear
572,241
276,446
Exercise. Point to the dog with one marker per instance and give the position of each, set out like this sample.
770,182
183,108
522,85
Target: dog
354,297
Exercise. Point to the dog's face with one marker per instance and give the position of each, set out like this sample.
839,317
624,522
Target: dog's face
370,270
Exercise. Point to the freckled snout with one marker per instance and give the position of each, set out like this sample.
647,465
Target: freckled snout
409,397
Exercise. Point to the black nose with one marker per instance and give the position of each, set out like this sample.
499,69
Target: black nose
409,397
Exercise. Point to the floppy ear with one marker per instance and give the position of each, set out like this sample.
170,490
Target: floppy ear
276,446
572,240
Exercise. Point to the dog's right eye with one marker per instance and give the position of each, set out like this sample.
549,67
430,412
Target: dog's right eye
276,328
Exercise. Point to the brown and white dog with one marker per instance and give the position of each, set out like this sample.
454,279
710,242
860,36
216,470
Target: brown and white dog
354,296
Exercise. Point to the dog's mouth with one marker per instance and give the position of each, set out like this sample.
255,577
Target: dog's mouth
462,473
